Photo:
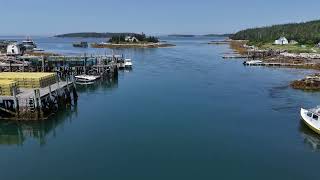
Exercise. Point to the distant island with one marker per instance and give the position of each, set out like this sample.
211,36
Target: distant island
181,35
132,41
93,35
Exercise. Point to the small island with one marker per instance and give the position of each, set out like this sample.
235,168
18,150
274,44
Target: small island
132,40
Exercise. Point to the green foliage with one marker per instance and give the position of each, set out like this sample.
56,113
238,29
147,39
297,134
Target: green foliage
117,39
304,33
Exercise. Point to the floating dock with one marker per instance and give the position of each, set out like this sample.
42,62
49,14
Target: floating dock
249,63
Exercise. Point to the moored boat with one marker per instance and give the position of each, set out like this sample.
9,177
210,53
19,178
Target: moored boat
252,63
311,118
127,63
86,79
29,44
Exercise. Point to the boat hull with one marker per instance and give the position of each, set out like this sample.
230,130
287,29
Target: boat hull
85,80
307,121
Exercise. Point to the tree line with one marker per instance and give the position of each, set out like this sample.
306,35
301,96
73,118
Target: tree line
303,33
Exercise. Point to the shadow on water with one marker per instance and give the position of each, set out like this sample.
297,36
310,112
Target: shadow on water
310,138
16,133
284,102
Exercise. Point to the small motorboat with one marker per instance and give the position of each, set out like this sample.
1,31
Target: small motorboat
86,79
252,63
311,118
127,63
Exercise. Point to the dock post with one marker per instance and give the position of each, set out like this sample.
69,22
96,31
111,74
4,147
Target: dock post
16,105
35,99
67,78
50,92
58,83
40,103
42,61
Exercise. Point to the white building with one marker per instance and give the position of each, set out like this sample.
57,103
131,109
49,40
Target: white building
131,39
281,41
14,49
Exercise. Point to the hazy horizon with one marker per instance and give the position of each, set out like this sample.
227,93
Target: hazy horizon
48,18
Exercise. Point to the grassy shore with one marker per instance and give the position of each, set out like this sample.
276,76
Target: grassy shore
306,84
290,48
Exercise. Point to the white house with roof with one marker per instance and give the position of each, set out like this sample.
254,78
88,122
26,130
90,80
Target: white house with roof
14,49
281,41
131,39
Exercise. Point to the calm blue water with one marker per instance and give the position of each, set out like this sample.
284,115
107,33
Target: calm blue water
181,113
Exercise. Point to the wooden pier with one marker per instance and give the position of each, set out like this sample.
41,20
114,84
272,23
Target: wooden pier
279,64
93,64
234,57
37,104
40,103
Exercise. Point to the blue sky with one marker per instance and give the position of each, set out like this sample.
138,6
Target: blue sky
49,17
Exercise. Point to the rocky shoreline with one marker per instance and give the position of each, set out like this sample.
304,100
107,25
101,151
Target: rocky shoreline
305,61
309,83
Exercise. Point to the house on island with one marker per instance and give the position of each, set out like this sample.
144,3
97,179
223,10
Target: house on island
281,41
131,39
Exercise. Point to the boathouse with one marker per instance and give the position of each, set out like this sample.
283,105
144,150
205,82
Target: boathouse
281,41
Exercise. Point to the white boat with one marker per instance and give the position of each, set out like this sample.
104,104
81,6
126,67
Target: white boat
253,62
311,118
86,79
29,44
127,63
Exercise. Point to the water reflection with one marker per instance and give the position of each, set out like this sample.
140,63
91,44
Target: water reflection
14,133
17,133
310,138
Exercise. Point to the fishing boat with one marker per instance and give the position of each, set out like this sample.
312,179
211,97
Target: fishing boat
311,118
29,44
86,79
81,44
